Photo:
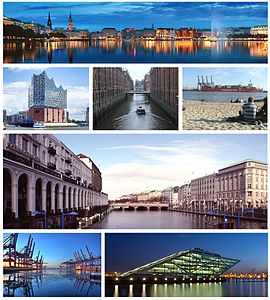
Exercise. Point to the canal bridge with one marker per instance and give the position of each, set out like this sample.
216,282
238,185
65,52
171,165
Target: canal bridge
139,92
134,206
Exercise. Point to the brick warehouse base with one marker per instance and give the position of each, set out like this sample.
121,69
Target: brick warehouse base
47,114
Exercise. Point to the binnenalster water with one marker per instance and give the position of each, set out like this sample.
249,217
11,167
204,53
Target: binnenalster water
167,220
220,96
135,52
126,118
50,283
231,288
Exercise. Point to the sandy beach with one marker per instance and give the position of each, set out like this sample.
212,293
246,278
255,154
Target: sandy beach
212,116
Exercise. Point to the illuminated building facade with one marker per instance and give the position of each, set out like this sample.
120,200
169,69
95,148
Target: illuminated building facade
194,263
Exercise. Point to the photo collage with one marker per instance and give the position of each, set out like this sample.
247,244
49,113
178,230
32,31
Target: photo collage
135,149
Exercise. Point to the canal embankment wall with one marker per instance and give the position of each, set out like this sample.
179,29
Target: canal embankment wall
105,110
169,108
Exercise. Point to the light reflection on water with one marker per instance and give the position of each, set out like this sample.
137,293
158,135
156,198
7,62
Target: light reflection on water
167,220
50,283
136,51
126,118
231,288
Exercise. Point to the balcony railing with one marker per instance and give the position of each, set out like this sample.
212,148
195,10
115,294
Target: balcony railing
67,172
51,165
78,178
68,160
51,150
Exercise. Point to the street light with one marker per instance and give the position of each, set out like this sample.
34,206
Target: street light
210,212
241,213
41,213
72,213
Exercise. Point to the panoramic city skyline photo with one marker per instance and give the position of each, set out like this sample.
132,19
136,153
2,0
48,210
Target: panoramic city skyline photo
135,32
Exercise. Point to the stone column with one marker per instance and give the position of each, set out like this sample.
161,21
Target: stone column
14,199
53,197
71,199
60,200
76,199
44,195
31,203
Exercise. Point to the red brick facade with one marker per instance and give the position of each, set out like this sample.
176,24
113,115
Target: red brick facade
47,115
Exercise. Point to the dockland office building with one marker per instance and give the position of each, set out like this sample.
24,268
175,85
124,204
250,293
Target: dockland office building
41,174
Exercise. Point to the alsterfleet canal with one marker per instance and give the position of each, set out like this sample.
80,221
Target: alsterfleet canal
173,220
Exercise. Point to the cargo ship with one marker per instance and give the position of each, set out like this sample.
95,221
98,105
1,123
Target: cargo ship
205,85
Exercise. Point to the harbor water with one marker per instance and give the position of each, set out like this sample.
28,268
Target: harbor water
231,288
220,96
126,51
50,283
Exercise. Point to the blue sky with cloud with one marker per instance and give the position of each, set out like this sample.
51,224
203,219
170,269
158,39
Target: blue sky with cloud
258,76
149,161
97,15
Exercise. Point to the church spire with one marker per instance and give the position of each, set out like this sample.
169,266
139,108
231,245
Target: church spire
70,24
49,22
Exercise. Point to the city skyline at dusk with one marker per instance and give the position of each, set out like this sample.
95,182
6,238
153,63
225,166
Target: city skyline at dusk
97,15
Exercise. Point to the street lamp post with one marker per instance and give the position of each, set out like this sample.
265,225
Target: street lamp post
210,212
72,213
41,213
241,213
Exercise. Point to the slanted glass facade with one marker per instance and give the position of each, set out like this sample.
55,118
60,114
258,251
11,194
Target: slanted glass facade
188,263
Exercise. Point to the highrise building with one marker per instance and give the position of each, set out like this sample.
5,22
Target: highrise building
44,93
46,101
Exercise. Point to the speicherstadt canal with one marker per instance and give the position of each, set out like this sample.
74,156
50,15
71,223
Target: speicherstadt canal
124,116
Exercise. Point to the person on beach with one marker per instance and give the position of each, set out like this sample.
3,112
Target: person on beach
247,114
262,113
249,110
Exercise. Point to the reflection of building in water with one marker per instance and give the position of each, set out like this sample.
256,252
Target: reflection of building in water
164,90
22,283
110,87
